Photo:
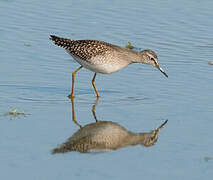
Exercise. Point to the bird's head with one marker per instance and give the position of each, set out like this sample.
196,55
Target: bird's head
150,57
151,137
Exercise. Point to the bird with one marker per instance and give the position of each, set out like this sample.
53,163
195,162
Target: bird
106,135
102,57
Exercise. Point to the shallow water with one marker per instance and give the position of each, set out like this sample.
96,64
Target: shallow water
35,76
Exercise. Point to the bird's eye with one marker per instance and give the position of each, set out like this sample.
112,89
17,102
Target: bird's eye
152,138
152,59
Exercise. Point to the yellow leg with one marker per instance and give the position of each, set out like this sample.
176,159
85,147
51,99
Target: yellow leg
94,86
73,81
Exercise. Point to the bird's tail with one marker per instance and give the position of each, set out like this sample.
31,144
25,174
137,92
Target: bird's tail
62,42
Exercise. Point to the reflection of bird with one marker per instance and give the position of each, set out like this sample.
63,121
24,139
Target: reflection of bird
102,57
106,135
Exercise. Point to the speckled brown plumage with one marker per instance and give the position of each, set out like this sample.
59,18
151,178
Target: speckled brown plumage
84,49
102,57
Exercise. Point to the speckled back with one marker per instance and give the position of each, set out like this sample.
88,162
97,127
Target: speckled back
84,49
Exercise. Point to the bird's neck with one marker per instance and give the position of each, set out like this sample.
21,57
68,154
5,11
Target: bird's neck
135,138
136,57
139,138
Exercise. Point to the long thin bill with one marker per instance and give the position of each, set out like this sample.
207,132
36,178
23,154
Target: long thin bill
161,70
161,126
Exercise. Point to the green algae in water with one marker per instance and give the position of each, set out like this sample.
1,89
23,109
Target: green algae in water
27,44
129,45
15,112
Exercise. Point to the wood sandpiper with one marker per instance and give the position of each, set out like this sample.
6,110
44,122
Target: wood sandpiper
102,57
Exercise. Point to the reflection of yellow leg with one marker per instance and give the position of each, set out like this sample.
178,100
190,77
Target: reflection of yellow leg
73,113
93,109
93,83
73,81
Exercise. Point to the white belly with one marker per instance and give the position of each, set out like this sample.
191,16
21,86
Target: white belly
102,67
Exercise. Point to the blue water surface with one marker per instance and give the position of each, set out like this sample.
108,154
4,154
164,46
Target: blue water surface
35,76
